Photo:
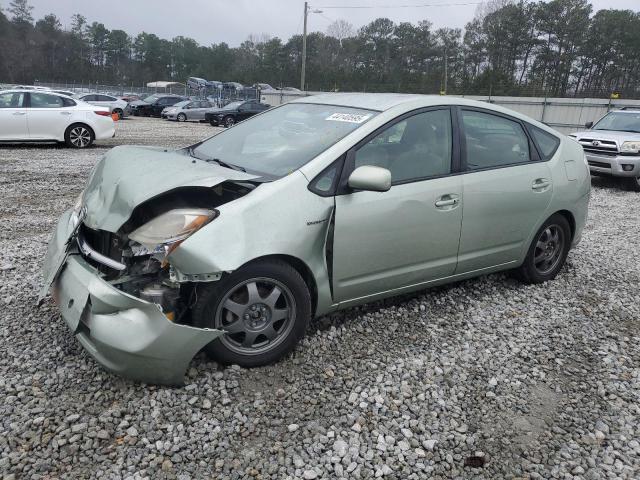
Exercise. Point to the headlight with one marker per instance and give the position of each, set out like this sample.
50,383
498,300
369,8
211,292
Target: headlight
172,227
630,147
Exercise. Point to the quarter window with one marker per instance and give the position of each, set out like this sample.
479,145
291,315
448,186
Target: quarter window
493,141
11,100
547,143
414,148
42,100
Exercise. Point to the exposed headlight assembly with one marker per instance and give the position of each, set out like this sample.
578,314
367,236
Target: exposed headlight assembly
172,228
630,147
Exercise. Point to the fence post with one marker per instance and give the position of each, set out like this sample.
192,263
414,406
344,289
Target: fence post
544,108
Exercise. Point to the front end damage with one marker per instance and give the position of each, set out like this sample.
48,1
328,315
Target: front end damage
125,303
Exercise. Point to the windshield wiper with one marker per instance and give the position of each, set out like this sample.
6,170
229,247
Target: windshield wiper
227,165
231,166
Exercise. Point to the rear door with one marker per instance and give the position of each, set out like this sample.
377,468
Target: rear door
506,187
13,116
47,116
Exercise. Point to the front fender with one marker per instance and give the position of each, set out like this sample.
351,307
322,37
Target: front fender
266,222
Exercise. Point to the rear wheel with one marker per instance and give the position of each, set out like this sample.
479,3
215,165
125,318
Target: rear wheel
229,122
264,307
181,117
79,136
548,251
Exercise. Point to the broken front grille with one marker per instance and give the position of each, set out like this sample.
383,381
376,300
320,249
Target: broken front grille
101,248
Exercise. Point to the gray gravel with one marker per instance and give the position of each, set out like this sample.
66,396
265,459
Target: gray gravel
520,381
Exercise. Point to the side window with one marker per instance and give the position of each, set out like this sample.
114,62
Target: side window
547,143
105,98
68,102
493,141
11,100
43,100
414,148
89,98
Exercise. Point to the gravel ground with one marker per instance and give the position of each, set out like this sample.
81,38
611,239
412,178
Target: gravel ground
482,379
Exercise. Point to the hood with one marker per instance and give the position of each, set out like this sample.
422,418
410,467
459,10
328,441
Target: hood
615,136
128,176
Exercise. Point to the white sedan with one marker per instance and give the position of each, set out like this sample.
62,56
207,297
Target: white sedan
116,105
38,116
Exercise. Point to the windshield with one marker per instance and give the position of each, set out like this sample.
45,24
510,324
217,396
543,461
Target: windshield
622,122
283,139
150,98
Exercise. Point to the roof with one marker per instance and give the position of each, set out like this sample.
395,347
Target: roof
386,101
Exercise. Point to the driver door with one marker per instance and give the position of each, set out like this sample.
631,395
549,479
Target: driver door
408,235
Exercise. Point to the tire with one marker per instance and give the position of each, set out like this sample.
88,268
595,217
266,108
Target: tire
79,135
181,117
119,112
250,292
633,184
213,123
548,251
229,122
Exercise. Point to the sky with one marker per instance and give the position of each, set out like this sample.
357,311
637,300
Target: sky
215,21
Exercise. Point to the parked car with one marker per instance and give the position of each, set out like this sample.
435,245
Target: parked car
131,97
612,146
290,89
263,86
29,87
153,105
114,104
41,116
233,244
235,112
187,110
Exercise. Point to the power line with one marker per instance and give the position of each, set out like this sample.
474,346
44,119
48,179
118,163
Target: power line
422,5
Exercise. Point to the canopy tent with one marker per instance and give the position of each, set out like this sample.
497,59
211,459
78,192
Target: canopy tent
164,84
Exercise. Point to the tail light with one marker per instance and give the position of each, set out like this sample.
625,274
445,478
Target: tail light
103,114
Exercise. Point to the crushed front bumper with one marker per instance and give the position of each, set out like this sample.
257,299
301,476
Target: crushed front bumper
617,166
124,334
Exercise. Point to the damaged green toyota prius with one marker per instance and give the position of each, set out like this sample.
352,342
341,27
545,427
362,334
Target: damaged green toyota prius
233,244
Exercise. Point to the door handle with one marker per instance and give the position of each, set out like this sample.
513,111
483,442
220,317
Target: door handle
19,113
449,200
540,184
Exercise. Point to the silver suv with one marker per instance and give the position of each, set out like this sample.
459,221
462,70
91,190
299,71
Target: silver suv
612,145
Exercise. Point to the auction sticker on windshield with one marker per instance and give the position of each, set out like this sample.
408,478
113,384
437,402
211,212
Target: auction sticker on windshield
348,117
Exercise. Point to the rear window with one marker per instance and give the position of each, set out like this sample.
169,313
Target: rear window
547,143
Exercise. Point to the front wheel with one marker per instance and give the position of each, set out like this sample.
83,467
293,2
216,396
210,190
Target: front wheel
79,136
633,184
548,251
181,117
264,307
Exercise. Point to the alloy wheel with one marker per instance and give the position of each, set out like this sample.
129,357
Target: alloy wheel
181,117
549,248
80,137
257,315
229,122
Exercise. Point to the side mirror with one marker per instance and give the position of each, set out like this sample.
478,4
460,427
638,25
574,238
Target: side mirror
370,178
588,125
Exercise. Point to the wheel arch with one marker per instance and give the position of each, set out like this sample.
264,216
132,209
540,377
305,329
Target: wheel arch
570,218
77,124
302,268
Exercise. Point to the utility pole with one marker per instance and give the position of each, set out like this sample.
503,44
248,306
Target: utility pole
446,75
304,47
